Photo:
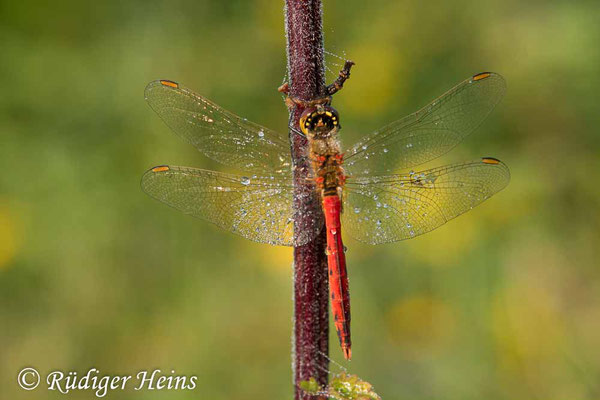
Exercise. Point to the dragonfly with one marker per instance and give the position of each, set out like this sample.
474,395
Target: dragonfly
371,189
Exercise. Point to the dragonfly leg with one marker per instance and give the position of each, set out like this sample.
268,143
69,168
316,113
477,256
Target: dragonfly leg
285,88
291,102
292,128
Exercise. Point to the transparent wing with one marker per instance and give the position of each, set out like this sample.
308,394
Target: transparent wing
218,133
431,131
396,207
257,208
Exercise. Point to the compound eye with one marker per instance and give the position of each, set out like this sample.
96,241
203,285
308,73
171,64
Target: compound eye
333,115
306,120
334,120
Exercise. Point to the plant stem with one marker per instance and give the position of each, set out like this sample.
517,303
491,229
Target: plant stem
306,82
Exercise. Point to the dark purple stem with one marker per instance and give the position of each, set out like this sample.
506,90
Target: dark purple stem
306,82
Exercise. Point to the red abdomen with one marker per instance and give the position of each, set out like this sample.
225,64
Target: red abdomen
338,277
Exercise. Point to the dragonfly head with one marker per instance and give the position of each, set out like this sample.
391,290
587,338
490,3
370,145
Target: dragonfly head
319,121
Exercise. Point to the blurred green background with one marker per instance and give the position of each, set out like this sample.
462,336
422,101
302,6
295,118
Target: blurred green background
502,303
